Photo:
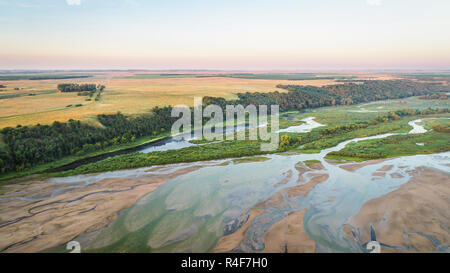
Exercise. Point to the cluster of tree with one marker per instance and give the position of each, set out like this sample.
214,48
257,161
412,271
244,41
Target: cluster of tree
410,112
288,141
442,128
301,97
389,116
28,146
435,96
100,89
74,87
343,128
218,150
99,93
359,155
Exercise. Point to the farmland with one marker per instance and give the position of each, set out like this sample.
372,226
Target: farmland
28,102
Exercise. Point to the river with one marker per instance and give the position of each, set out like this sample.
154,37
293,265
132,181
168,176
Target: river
192,212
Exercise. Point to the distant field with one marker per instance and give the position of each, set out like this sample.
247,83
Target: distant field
258,76
31,99
28,102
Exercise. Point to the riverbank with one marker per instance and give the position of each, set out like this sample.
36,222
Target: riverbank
237,149
71,162
149,144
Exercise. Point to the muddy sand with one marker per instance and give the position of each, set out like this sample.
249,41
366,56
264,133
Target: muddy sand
355,166
288,236
413,218
232,241
33,225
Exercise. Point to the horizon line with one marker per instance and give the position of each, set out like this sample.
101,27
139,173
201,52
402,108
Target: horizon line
343,70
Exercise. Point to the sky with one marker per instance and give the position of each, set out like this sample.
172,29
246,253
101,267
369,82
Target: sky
226,34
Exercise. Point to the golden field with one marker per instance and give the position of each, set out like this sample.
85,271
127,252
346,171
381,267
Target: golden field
124,94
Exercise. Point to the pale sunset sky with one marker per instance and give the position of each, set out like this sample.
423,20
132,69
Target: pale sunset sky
227,34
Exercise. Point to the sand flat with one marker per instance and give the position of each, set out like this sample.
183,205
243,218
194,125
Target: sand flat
303,190
402,217
289,236
33,226
230,242
355,166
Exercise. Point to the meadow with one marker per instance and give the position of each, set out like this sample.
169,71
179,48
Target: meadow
393,146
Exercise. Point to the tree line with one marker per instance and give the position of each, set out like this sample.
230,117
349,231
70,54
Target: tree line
74,87
302,97
395,115
27,146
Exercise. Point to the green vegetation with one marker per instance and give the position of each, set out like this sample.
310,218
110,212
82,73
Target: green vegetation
317,141
284,123
250,159
391,122
311,162
74,87
310,151
398,145
435,96
220,150
29,146
302,97
343,159
439,125
312,142
201,141
42,168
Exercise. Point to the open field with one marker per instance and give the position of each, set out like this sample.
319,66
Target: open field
28,102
